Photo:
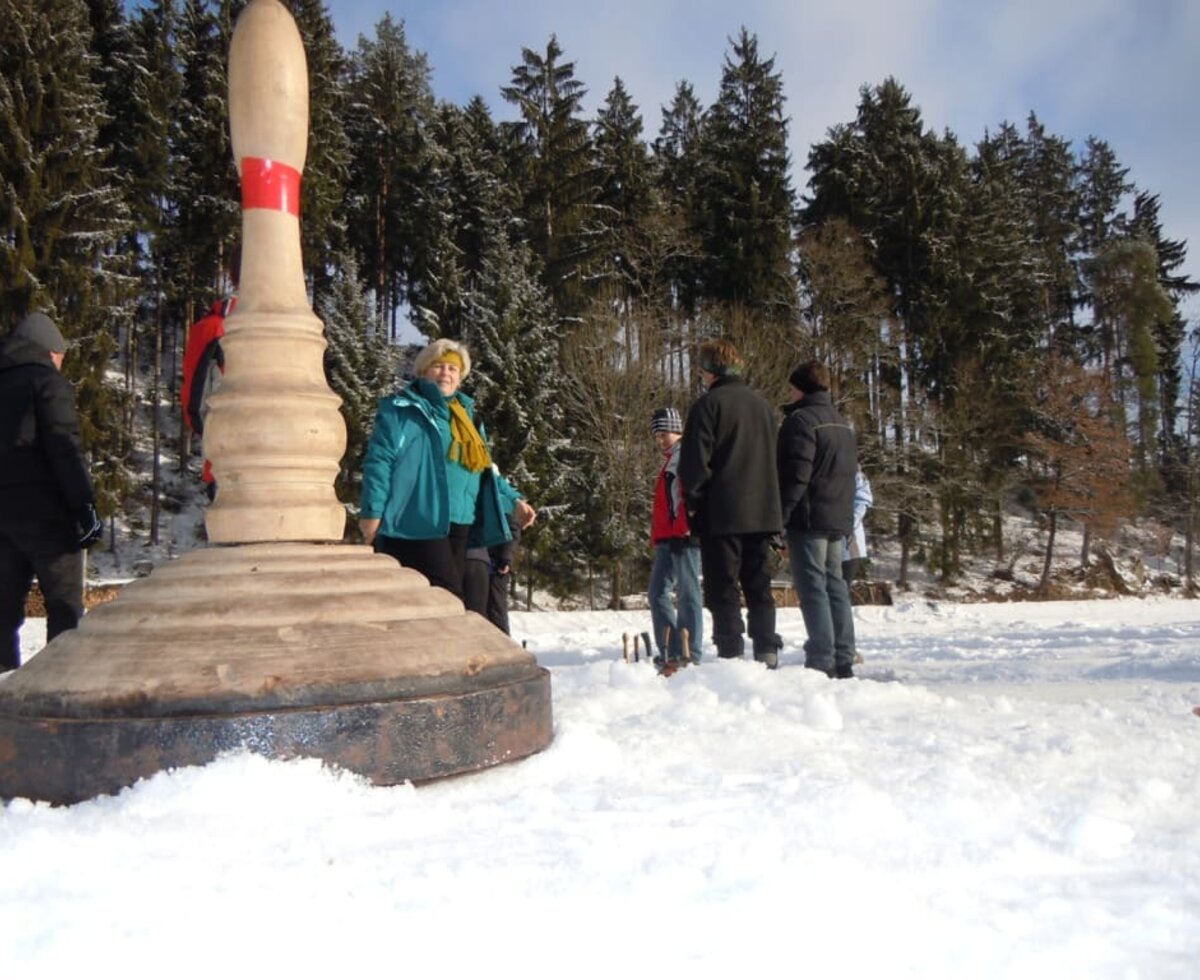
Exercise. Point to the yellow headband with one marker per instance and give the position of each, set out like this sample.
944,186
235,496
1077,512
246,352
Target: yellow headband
450,357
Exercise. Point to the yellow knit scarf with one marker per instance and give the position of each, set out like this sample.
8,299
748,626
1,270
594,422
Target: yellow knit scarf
466,444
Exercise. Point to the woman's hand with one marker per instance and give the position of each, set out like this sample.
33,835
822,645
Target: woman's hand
369,526
523,514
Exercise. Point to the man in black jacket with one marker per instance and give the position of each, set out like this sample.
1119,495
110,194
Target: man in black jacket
817,458
47,508
732,500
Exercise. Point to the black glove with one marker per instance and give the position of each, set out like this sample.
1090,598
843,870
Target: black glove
88,524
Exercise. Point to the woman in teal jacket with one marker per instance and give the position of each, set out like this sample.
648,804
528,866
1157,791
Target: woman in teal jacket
430,488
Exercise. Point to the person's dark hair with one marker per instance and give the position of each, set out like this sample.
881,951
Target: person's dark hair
810,376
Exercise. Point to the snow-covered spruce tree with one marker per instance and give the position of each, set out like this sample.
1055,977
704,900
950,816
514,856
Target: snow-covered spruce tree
843,303
192,214
902,187
1101,185
678,146
1168,332
327,167
61,211
391,103
153,95
513,334
1190,477
476,211
204,199
143,94
677,160
995,295
1047,176
611,457
359,365
745,194
1129,302
436,278
556,173
496,193
118,74
624,180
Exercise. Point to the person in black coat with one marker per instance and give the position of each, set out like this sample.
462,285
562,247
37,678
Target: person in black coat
817,459
732,500
47,507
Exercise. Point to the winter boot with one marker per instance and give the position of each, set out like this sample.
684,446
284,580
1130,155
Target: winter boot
766,651
730,647
843,670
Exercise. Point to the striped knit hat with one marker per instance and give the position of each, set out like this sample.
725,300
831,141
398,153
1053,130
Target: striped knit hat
666,420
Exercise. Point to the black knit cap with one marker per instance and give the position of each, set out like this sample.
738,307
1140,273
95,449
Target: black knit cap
666,420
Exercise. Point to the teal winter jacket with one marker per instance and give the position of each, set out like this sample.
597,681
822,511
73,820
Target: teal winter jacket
411,484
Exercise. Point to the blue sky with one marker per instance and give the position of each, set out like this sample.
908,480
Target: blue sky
1127,71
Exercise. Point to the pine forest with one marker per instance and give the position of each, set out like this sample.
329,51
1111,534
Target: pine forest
1002,317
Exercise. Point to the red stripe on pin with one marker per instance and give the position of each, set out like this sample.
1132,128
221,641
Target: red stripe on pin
270,185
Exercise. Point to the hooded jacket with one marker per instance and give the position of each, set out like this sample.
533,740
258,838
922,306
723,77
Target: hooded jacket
43,474
405,473
202,354
816,460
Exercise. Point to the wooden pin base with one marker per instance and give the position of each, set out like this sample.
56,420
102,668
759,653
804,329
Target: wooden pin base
288,650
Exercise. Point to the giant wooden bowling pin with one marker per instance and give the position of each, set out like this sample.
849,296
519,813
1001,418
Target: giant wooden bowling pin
279,645
274,432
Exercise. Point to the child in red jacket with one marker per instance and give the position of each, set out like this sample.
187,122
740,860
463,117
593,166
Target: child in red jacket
676,553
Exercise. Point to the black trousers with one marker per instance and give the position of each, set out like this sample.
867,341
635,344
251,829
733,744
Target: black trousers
728,561
486,592
50,550
441,560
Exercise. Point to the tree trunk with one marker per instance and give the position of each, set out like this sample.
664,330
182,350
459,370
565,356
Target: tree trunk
131,394
945,547
998,530
1189,534
156,427
1044,584
185,434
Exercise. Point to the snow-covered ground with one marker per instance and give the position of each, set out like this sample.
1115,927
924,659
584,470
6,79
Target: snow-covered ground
1009,791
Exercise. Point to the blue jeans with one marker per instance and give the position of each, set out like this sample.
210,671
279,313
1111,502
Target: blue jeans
676,570
824,600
